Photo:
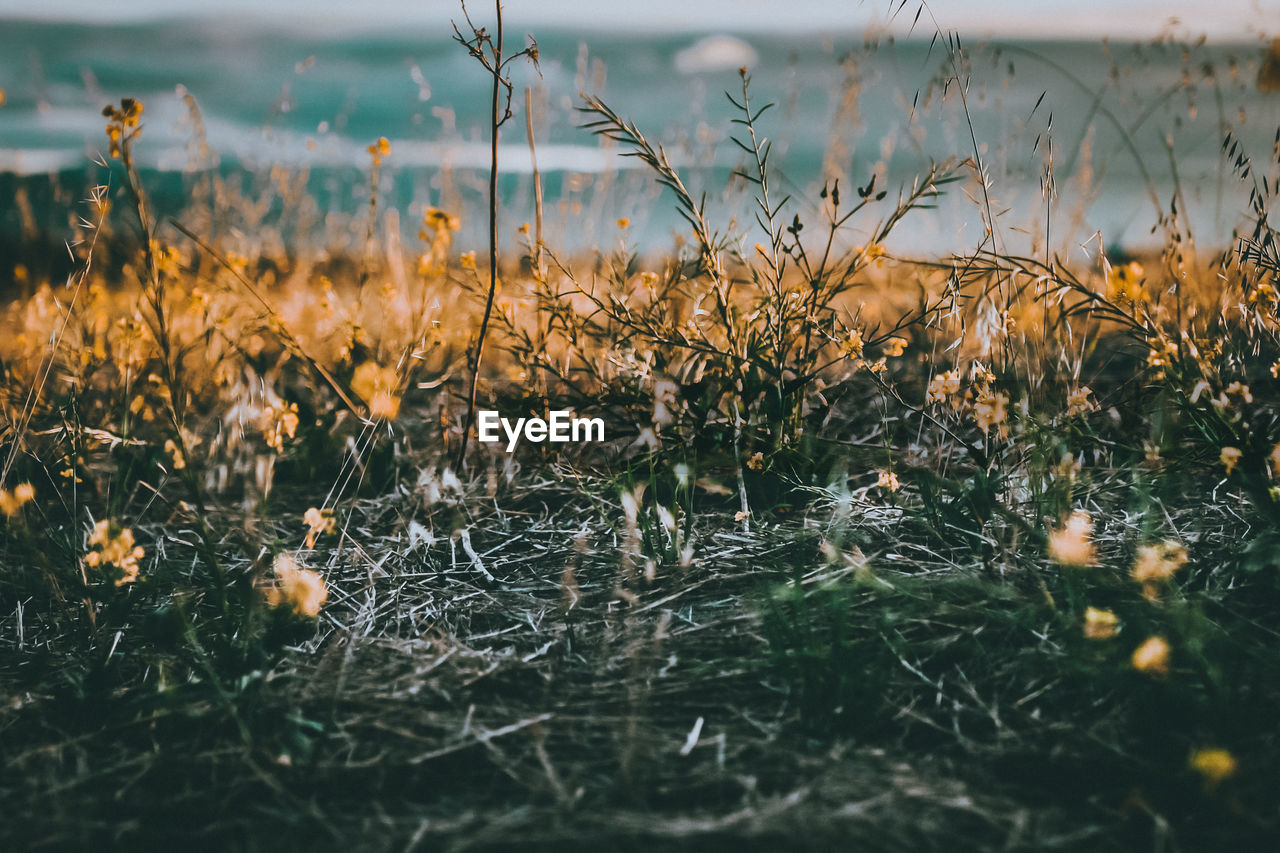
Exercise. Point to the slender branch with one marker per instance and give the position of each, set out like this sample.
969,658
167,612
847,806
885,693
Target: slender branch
496,72
495,66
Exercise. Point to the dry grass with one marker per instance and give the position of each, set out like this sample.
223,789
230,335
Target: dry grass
866,558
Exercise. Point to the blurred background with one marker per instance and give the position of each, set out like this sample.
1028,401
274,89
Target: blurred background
1125,105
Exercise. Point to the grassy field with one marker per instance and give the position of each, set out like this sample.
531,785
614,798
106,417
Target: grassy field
973,552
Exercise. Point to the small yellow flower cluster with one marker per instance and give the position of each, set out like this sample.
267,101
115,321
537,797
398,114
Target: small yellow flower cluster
756,462
1230,457
438,220
169,260
378,386
122,122
437,232
175,452
990,408
1152,657
945,387
1124,284
318,521
11,503
1072,545
895,347
114,549
1239,390
279,423
852,346
1100,624
301,590
379,149
1263,299
467,260
1156,564
874,252
356,341
1081,402
1161,352
1214,766
888,480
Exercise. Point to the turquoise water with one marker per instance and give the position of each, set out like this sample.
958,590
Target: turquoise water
1127,127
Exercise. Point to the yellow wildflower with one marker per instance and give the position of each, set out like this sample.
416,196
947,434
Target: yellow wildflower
439,220
1080,402
468,260
12,502
1152,657
378,387
132,110
280,424
1156,564
852,346
624,223
1214,765
1124,284
895,347
379,149
1239,389
302,590
174,451
1100,624
1262,293
1161,353
888,480
756,462
119,119
318,521
989,410
1071,544
944,387
114,549
1230,457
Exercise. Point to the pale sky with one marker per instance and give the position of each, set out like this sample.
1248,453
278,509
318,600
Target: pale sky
1219,19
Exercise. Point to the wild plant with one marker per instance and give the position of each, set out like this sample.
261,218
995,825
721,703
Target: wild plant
488,51
763,333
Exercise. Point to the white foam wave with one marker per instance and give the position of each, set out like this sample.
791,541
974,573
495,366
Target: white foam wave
716,53
40,161
165,149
